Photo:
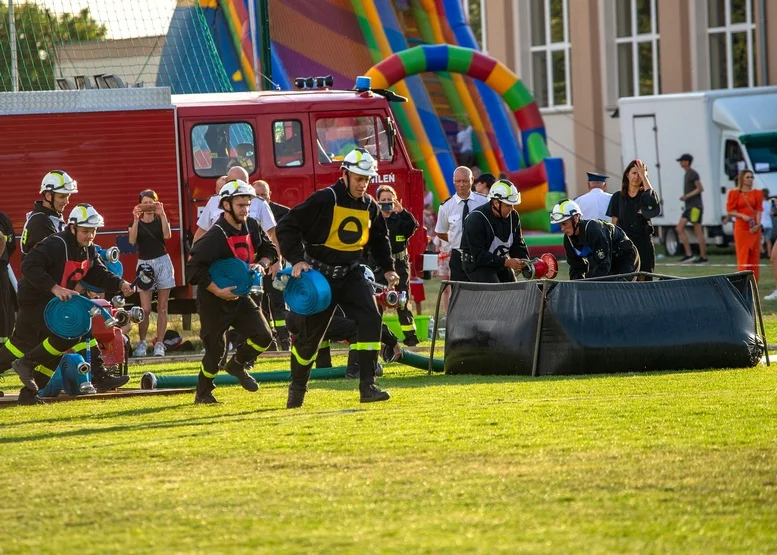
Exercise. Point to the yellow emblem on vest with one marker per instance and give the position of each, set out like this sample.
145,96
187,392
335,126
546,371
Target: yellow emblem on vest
350,229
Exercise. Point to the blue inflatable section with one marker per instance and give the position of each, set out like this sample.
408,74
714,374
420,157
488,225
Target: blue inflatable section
495,106
429,119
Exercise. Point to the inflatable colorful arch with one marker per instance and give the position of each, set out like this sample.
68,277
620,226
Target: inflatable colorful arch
542,183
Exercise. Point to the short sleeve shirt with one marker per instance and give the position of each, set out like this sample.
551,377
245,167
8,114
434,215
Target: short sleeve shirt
449,219
210,214
262,213
691,177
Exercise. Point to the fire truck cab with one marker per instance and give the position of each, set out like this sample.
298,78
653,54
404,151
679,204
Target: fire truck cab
119,142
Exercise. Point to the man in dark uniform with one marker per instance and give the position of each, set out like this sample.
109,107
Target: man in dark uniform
401,226
492,244
8,304
273,305
328,232
594,248
343,329
46,216
234,235
52,269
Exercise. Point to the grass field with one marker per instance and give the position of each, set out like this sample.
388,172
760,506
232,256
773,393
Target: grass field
682,462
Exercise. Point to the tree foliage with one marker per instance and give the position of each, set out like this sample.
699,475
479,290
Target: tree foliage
39,31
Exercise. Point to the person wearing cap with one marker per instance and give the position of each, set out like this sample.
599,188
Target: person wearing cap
594,248
492,245
694,210
632,208
451,215
483,183
234,235
595,202
328,232
149,230
52,269
46,216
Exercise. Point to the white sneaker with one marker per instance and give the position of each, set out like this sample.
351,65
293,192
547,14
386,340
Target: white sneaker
159,349
141,349
771,297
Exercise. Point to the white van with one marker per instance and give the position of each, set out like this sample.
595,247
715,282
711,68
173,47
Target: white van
724,130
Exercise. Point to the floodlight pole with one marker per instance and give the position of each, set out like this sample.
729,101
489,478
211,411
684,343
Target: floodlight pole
254,40
14,60
265,50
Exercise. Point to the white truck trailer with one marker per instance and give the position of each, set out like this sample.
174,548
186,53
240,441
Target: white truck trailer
724,130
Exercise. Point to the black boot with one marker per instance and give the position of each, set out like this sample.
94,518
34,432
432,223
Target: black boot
411,340
352,372
29,397
372,394
296,396
234,368
103,381
205,387
26,373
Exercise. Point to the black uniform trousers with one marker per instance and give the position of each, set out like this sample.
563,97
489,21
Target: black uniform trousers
216,317
7,303
32,341
647,252
355,296
405,315
274,311
457,270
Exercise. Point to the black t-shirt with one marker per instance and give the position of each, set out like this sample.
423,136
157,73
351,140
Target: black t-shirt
689,184
628,211
150,241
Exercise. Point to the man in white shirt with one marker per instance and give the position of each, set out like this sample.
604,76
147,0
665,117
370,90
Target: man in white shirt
594,203
464,142
450,219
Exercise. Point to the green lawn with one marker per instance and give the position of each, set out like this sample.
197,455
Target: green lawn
682,462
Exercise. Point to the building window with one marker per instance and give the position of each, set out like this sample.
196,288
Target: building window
730,28
217,147
287,141
636,26
550,52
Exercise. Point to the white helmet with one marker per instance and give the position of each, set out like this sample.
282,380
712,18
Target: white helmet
504,191
360,162
236,188
564,210
84,215
57,181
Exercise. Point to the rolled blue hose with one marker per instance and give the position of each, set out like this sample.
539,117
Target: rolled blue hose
71,319
308,294
116,268
233,271
68,377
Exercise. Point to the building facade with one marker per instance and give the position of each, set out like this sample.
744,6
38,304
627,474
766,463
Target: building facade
579,57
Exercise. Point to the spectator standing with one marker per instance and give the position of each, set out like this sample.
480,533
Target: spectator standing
596,201
628,208
450,219
211,212
745,206
483,183
464,142
694,210
149,230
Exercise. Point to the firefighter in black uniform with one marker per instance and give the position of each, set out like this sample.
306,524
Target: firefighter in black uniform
401,226
46,216
233,235
8,304
273,305
632,208
328,232
594,248
492,244
52,269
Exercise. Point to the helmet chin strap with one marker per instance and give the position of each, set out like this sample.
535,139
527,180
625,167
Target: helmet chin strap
498,209
348,185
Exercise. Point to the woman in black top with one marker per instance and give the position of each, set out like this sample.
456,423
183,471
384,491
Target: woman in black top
626,208
149,230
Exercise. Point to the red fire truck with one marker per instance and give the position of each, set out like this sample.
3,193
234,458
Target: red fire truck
119,142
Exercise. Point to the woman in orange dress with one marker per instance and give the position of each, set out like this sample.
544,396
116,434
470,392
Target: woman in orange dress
745,206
